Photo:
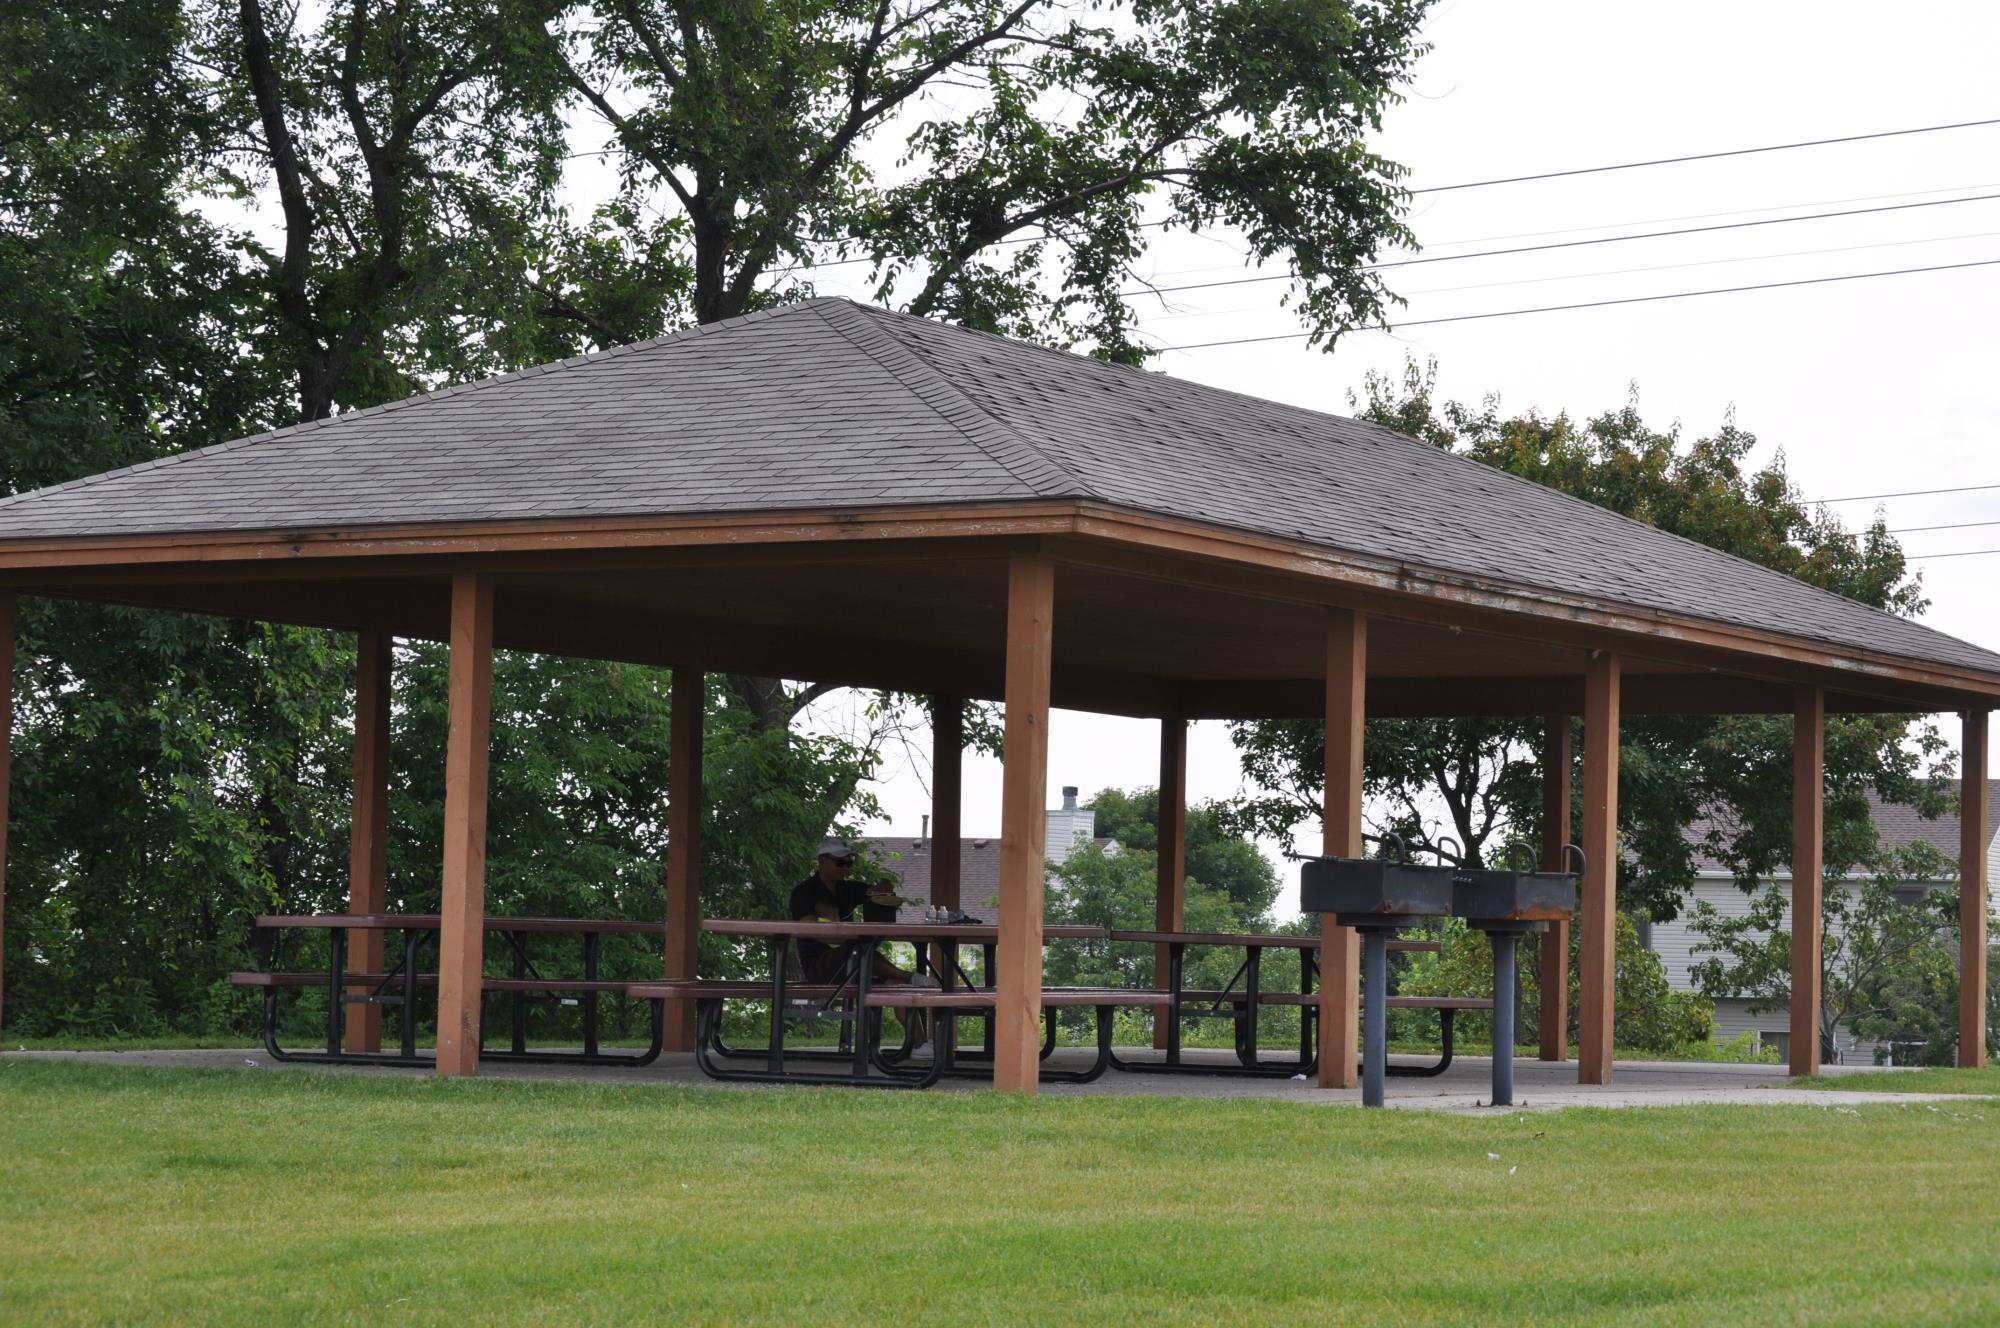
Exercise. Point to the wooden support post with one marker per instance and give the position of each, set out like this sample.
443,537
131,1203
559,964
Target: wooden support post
1598,979
1974,832
462,932
1170,885
947,796
1558,751
684,796
368,835
1808,845
1023,796
1339,948
7,611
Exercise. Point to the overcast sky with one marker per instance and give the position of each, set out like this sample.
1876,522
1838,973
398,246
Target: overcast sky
1868,387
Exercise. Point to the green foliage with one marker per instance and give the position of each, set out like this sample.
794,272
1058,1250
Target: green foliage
1216,857
1734,770
1029,142
1649,1016
1888,963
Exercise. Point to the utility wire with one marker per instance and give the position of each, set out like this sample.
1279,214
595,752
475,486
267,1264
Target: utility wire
1703,156
1599,304
1618,272
1912,493
1965,553
1956,525
1576,244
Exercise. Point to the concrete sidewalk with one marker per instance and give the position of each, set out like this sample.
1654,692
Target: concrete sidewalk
1538,1085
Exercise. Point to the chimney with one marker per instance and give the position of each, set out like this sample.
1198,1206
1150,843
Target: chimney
1069,797
927,827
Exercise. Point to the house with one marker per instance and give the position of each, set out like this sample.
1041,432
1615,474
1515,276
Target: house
1066,829
1674,941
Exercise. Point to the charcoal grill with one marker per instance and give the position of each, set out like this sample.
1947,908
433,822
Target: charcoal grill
1377,897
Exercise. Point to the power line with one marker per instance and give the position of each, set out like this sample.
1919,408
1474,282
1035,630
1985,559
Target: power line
1956,525
1599,304
1912,493
1577,244
1966,553
1628,271
1703,156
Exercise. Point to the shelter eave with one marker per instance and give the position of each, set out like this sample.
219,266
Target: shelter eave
1145,546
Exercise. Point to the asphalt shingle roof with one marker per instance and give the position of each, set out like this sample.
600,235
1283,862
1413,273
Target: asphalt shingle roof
832,404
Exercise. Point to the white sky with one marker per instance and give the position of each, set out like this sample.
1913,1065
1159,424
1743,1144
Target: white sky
1868,386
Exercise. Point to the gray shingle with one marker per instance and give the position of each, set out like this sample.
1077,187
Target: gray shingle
828,403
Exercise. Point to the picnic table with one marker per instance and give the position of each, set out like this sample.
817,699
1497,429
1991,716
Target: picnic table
1242,1003
400,984
867,1062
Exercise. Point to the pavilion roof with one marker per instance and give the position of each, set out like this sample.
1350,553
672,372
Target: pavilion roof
829,404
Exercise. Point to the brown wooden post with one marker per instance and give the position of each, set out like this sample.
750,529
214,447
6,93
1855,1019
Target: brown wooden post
1558,751
684,795
7,609
1808,846
1023,794
1597,996
947,796
1974,831
1339,948
368,835
1170,908
462,933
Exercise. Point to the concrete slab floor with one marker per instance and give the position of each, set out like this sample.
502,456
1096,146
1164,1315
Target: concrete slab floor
1538,1085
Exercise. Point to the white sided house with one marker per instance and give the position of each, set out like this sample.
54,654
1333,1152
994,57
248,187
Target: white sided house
1674,941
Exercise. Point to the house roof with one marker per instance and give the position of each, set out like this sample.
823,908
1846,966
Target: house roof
1897,824
830,404
910,860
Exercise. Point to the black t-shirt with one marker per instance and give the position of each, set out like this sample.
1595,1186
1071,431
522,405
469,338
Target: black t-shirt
814,898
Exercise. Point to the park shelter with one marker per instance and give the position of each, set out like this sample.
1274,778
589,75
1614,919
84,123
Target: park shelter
1001,521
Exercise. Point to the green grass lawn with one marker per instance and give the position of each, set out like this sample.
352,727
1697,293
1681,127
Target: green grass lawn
183,1196
1985,1080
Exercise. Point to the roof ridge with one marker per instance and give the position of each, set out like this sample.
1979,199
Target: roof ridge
858,324
306,426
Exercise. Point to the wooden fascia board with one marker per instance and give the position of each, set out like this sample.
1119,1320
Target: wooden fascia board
1146,545
20,559
1098,534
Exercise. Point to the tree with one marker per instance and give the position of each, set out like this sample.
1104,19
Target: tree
1888,963
1030,138
1673,770
1217,858
409,175
1648,1015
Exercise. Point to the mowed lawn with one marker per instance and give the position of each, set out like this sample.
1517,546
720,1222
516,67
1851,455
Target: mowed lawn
168,1196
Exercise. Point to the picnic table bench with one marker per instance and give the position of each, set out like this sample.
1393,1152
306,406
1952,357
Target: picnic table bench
956,995
398,987
1240,1004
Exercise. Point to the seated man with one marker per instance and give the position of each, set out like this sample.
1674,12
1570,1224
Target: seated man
828,895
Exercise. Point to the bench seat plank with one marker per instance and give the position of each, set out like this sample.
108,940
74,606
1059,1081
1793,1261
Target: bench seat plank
931,998
1312,999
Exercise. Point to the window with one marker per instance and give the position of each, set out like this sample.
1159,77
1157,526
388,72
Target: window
1778,1042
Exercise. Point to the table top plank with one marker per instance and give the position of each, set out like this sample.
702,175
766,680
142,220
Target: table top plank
1267,942
432,921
